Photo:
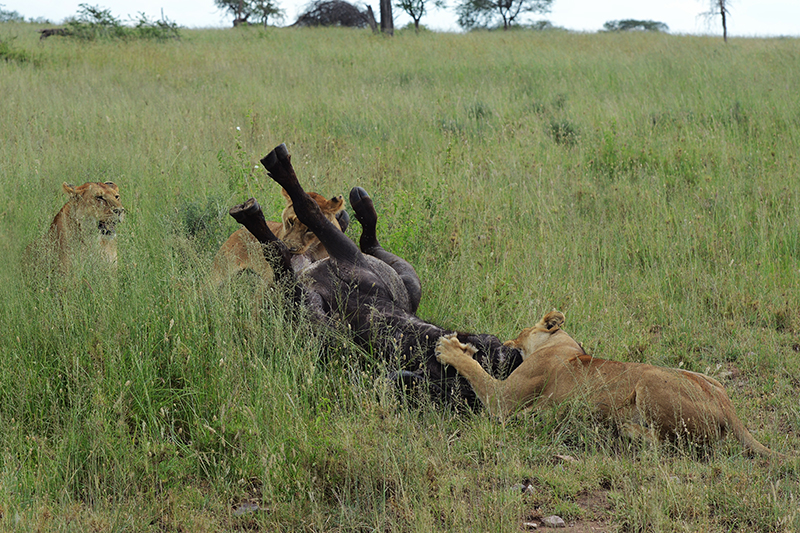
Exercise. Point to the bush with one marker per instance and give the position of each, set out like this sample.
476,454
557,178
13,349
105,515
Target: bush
635,25
333,13
564,132
159,30
9,53
94,22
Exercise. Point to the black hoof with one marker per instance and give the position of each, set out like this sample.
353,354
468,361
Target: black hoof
245,211
343,219
279,167
271,159
363,207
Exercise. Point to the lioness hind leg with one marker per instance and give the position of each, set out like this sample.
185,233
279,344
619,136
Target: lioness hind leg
368,218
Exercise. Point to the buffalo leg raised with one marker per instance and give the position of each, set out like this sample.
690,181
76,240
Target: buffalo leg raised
250,215
279,166
368,218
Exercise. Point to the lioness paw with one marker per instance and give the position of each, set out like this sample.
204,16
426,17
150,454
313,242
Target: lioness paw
449,350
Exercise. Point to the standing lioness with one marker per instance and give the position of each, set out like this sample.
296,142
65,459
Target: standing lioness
644,400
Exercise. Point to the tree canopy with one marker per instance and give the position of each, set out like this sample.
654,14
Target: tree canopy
417,8
485,13
333,13
633,25
260,10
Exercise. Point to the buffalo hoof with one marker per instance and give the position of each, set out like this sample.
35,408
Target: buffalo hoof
362,205
343,219
244,212
366,215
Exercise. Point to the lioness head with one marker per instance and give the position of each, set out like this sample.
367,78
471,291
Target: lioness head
531,339
296,235
95,204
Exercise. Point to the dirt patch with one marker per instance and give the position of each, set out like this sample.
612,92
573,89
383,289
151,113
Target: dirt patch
595,505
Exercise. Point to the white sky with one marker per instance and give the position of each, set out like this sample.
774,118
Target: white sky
760,18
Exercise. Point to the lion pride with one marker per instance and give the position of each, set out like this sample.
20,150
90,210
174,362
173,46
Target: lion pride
643,400
242,252
85,225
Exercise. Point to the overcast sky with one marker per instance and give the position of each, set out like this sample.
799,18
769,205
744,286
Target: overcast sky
760,18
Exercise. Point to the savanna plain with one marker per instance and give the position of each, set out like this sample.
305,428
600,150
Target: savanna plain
646,185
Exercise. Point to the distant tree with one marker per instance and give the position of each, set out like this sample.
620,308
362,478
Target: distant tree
333,13
417,8
263,10
10,16
631,24
719,7
483,13
260,10
234,7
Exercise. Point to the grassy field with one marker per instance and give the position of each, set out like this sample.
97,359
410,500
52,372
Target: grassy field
646,185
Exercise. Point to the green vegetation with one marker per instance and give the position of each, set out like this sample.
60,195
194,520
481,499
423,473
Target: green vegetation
8,52
10,16
260,10
482,14
644,184
634,25
94,22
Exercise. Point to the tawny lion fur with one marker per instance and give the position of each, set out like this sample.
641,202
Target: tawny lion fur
643,400
242,252
85,225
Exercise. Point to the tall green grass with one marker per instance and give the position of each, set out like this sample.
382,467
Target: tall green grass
646,185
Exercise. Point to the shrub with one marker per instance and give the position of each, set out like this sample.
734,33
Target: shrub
333,13
634,25
9,53
94,22
564,132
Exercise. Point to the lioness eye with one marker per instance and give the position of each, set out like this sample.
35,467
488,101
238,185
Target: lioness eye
100,199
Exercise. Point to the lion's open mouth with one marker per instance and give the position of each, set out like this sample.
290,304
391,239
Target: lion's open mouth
106,228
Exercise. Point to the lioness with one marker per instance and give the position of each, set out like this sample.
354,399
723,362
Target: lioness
242,252
86,224
643,400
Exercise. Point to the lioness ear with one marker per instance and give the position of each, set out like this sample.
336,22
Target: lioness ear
286,195
68,188
337,203
553,320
